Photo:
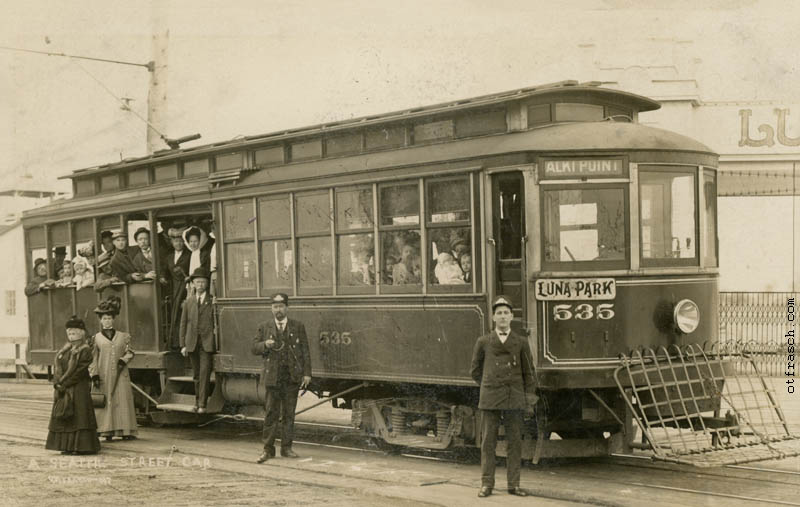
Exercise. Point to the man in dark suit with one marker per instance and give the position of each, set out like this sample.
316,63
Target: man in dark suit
283,344
197,336
503,367
177,263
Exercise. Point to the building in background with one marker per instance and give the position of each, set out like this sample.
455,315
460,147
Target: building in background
15,197
759,170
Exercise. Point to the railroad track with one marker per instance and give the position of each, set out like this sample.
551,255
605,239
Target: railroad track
616,470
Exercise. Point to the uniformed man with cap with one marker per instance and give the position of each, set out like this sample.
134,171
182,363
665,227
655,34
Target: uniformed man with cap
283,344
503,367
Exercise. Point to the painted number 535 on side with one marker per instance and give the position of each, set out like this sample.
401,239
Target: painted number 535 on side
584,311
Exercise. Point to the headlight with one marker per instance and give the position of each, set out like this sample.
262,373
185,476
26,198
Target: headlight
686,315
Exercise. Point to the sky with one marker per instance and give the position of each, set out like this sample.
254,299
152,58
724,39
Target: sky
250,67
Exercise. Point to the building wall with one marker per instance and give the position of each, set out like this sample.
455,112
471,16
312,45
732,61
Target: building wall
12,291
758,184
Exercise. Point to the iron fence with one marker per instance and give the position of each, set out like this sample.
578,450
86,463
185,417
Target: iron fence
756,324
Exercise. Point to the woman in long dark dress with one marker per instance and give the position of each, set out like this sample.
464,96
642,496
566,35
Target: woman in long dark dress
73,427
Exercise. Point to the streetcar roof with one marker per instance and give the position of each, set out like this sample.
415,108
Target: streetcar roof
588,90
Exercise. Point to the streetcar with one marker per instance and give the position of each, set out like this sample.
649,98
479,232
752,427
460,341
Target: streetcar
392,233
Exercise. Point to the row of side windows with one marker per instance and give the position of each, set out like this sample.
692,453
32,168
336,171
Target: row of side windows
400,237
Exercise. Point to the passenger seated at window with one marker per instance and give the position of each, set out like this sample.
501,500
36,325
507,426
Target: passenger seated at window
65,274
408,270
40,281
84,277
59,254
87,252
144,258
362,267
459,247
447,270
105,276
466,266
106,241
121,263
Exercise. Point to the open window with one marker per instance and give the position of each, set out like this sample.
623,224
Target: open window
450,265
400,237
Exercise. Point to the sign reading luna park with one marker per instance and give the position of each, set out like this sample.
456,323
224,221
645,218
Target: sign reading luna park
575,289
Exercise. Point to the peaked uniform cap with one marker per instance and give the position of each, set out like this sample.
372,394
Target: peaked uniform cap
280,298
502,301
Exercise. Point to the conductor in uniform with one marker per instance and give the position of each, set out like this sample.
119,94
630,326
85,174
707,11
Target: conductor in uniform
283,344
503,367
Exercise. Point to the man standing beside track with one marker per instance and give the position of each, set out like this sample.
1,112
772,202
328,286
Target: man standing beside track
283,344
503,367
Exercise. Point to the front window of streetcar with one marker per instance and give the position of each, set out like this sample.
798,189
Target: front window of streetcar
585,227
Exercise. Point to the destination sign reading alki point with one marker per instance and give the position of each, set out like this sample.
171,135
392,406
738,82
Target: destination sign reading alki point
579,168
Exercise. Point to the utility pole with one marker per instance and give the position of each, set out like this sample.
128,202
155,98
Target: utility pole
157,92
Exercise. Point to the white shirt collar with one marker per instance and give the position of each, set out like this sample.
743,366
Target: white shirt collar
503,335
281,324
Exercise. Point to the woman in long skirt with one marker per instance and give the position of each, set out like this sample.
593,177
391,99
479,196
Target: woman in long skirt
112,353
73,428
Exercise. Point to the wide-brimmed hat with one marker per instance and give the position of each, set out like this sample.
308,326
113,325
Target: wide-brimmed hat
139,231
108,306
75,322
200,273
87,250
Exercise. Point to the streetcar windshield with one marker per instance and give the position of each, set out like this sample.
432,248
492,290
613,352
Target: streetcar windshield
584,225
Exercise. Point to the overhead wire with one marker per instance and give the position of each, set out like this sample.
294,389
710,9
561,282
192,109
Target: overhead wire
122,103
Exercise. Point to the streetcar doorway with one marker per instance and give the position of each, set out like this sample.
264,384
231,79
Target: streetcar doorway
187,239
508,226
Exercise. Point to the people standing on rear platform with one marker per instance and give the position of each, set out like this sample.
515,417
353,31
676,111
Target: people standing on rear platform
177,262
503,367
73,428
197,336
110,376
283,344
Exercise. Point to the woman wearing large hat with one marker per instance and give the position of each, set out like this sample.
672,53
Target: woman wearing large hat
73,428
112,353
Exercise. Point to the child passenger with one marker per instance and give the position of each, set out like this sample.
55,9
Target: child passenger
84,277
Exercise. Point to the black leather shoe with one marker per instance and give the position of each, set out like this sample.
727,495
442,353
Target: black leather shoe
484,492
288,453
264,457
517,492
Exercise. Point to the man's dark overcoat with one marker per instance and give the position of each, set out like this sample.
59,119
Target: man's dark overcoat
504,371
294,338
